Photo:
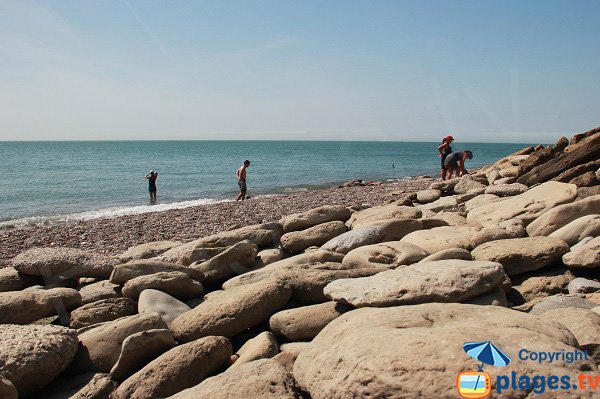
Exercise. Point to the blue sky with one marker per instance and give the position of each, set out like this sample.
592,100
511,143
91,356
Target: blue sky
491,71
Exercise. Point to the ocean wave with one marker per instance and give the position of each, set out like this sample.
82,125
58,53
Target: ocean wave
106,213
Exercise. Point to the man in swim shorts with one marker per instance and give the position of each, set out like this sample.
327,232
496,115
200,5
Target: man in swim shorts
241,177
456,162
445,150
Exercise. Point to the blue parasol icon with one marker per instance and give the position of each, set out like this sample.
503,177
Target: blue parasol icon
487,353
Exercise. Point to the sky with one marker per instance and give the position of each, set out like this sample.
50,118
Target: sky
483,71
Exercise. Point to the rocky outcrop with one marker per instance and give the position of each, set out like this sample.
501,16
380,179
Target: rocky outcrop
586,256
12,280
578,229
586,151
440,238
383,213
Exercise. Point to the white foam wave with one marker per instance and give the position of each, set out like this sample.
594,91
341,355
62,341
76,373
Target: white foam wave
105,213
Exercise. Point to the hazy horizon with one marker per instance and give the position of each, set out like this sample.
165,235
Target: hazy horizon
415,71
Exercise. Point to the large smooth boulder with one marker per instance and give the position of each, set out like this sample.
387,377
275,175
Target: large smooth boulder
583,323
262,379
182,367
23,307
511,228
306,280
297,241
451,280
138,350
263,346
427,196
390,254
383,213
313,217
304,323
586,256
372,234
578,229
399,343
482,199
155,301
68,262
232,311
527,206
466,184
506,190
101,311
521,255
440,238
34,355
176,284
147,250
543,286
442,204
562,215
268,256
82,386
100,290
12,280
100,347
235,260
128,271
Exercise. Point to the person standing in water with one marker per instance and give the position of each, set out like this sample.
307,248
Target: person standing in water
456,162
241,177
445,150
151,177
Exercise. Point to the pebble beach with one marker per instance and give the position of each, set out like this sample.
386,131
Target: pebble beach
111,236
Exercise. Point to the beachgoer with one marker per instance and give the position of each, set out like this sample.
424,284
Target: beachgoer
152,176
455,162
241,178
445,150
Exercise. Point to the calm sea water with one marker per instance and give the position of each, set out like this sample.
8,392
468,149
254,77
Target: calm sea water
47,181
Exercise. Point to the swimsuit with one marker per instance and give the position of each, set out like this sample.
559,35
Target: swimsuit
445,153
242,185
152,185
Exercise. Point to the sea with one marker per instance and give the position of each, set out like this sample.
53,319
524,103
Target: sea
50,182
